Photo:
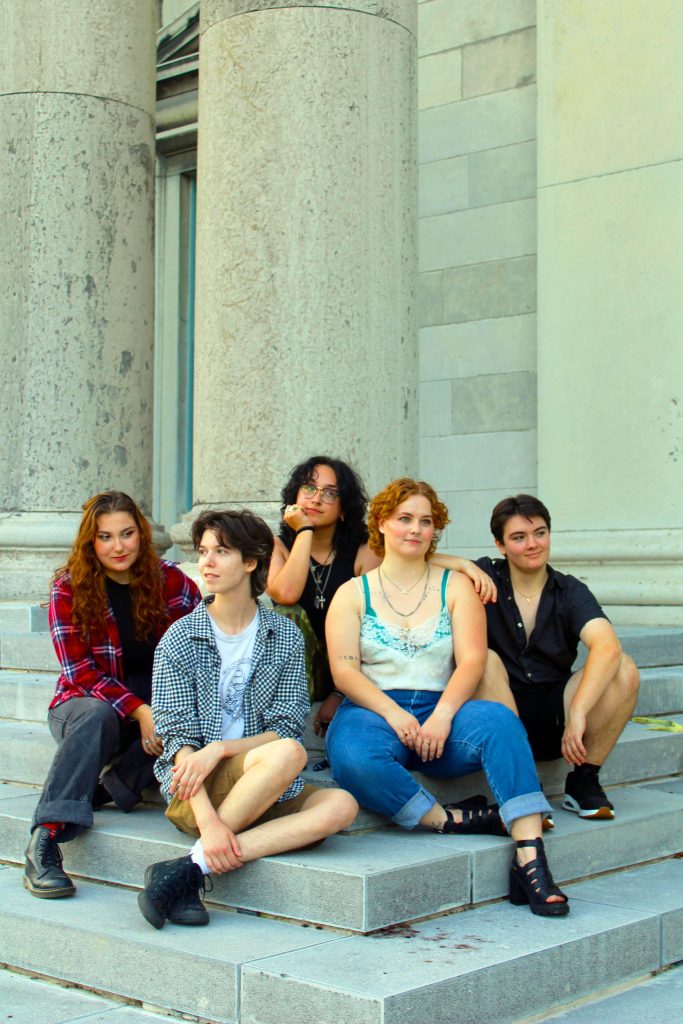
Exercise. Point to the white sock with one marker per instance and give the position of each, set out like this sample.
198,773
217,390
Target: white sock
197,856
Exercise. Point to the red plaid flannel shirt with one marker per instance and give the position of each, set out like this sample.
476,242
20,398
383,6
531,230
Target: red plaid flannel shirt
94,667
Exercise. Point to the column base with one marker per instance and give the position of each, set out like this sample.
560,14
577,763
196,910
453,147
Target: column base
34,544
635,574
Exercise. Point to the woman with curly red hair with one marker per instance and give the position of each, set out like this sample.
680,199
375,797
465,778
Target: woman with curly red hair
407,645
109,606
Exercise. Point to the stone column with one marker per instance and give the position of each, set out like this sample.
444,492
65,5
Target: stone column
610,301
306,247
77,91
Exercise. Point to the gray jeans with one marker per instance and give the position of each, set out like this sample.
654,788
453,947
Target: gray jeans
91,735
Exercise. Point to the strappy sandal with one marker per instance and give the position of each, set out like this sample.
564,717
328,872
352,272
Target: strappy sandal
477,819
533,883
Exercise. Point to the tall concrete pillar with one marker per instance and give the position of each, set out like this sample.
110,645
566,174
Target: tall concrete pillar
77,89
306,243
610,304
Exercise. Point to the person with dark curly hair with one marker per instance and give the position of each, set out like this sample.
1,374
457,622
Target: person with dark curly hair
109,606
407,646
323,542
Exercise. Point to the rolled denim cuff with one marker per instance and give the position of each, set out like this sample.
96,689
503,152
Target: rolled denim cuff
520,806
411,813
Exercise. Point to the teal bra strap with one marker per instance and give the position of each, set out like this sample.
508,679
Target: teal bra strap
444,586
369,610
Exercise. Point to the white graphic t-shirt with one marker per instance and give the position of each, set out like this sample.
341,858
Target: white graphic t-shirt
236,653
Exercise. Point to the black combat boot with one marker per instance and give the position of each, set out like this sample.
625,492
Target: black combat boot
43,875
172,884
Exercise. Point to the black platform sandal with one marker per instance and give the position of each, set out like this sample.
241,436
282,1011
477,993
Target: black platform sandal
477,819
533,883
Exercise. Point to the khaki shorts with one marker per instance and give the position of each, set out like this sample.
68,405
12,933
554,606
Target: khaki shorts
218,784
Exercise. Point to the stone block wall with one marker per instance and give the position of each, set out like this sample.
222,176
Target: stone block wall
477,285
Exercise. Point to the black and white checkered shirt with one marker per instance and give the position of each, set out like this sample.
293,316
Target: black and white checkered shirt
186,694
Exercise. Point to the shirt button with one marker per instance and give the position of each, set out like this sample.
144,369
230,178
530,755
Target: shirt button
519,625
528,675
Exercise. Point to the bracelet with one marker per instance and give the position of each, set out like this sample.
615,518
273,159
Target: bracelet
302,529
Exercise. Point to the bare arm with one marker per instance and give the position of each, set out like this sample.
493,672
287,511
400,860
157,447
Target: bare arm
289,569
483,584
604,652
469,646
342,630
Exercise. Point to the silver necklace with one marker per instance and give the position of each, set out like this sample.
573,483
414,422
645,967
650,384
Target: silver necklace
320,574
407,591
404,615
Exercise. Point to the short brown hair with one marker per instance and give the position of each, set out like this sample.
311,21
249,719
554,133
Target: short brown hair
393,495
520,505
244,531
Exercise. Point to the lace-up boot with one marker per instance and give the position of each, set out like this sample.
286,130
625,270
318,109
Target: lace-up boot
165,884
188,909
44,876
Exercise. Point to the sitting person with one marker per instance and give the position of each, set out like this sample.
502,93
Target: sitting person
407,647
108,608
322,544
534,632
229,701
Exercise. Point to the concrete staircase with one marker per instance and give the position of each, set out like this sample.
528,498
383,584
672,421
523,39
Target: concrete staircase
376,926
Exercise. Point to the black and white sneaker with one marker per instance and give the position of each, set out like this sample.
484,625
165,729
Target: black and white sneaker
584,795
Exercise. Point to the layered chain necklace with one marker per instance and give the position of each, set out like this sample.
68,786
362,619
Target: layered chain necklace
404,615
320,574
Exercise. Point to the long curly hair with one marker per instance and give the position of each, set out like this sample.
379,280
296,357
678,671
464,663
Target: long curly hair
88,576
393,495
350,531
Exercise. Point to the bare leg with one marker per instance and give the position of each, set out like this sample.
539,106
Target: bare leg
495,684
606,720
321,815
268,771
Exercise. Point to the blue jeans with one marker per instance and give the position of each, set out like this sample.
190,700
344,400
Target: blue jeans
369,760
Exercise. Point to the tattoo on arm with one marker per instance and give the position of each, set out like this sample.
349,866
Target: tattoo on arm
347,657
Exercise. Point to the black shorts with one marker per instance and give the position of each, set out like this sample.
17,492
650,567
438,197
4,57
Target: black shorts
541,710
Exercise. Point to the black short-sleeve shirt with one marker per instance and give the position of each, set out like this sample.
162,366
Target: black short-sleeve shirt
565,607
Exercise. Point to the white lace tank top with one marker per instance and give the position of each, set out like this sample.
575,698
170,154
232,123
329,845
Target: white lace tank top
395,658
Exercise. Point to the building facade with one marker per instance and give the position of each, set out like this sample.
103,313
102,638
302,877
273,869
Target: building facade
527,339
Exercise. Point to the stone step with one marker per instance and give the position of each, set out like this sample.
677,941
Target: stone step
361,882
23,617
475,968
26,999
651,646
33,652
26,695
495,963
657,1000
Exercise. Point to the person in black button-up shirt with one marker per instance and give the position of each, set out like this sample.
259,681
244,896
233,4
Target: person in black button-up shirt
534,630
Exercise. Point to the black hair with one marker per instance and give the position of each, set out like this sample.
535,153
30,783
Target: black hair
350,531
521,505
245,532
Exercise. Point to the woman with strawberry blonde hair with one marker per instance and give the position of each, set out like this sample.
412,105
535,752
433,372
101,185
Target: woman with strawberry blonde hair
407,645
109,606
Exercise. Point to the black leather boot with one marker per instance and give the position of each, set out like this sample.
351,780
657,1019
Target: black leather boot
43,875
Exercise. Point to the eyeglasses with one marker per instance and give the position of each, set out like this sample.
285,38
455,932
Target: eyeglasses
328,494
